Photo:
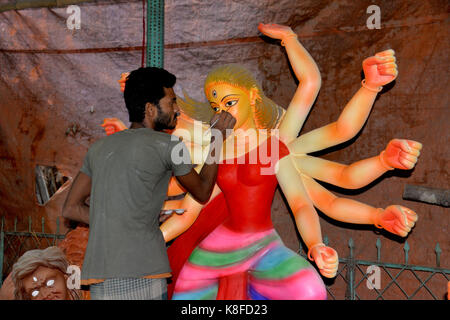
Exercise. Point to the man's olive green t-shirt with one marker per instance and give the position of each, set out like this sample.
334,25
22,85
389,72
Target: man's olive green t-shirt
130,172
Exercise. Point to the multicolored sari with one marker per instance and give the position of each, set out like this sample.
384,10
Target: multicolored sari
273,271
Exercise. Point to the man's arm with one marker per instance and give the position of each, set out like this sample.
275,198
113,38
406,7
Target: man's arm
200,185
75,207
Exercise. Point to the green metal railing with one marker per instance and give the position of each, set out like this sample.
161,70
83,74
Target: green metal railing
155,33
353,267
14,243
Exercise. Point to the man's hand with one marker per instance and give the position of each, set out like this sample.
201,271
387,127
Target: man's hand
222,121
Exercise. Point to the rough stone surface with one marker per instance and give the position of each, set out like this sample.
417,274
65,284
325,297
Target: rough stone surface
51,78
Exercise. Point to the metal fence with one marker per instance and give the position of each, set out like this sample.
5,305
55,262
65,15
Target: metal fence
395,277
13,243
350,282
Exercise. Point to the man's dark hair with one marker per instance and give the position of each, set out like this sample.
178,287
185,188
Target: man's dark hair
145,85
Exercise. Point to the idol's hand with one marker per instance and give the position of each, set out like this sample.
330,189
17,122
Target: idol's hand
123,79
326,259
380,69
396,219
401,154
113,125
276,31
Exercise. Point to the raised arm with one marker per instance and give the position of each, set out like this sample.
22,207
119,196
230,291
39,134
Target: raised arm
379,70
307,73
201,185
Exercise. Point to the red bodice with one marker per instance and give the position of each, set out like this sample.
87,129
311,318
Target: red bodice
248,184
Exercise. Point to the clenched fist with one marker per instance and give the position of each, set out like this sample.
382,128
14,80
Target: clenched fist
401,154
396,219
380,69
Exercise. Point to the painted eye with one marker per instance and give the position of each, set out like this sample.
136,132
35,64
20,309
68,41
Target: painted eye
50,283
231,103
214,106
35,293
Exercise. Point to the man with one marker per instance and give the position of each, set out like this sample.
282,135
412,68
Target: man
126,176
42,275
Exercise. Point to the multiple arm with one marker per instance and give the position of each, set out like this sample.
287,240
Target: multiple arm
400,154
379,70
302,192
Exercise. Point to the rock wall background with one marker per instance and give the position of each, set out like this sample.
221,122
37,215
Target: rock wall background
52,78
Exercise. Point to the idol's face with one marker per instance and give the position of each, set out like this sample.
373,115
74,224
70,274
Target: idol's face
46,284
230,98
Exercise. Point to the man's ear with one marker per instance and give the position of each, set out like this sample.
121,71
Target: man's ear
150,111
